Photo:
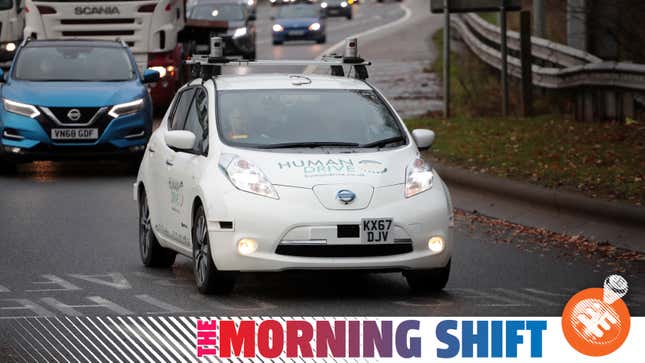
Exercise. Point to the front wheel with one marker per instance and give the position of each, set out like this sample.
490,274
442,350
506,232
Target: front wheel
152,254
208,278
7,167
321,40
433,280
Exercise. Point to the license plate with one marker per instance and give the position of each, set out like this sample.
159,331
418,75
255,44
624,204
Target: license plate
376,230
296,33
75,134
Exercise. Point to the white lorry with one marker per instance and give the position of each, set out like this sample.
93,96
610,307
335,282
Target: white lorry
150,27
12,21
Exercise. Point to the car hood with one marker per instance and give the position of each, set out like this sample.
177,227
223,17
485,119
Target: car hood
376,169
297,22
79,94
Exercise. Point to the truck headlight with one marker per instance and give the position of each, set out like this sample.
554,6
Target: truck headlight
22,109
239,32
247,177
314,27
127,108
418,177
277,28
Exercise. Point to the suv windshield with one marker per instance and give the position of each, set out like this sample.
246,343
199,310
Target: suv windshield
305,118
73,63
217,12
299,11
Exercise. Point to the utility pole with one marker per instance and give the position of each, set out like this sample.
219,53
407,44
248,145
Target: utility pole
446,59
539,18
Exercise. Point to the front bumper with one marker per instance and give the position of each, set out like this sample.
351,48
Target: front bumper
298,34
26,139
299,217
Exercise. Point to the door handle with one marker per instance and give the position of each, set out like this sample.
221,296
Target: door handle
169,162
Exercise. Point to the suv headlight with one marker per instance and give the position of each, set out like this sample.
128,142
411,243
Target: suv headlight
239,32
127,108
22,109
247,177
418,177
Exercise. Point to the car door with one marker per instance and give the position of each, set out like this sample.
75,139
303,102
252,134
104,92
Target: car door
171,195
188,165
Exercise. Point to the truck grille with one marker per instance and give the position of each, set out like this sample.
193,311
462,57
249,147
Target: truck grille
96,21
97,33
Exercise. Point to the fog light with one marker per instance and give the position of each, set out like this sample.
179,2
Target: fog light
247,246
436,244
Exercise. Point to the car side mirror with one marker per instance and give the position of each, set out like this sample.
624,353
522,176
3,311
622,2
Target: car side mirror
180,139
151,76
2,79
423,138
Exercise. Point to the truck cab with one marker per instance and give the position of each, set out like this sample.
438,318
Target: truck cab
149,27
12,21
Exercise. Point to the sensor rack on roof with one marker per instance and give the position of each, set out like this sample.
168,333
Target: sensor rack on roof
208,66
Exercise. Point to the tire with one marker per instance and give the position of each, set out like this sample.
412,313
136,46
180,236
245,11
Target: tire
250,55
433,280
7,167
152,254
209,280
349,16
322,40
277,42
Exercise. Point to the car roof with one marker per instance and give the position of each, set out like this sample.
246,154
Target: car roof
288,81
74,43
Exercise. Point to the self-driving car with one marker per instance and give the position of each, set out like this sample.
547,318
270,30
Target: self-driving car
299,22
74,99
229,19
258,173
337,8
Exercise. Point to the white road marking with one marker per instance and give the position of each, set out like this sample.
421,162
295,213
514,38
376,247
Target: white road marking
478,294
166,307
55,280
528,297
72,309
380,28
116,280
25,304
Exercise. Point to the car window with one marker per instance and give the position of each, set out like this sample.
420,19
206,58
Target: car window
74,63
299,11
261,118
197,120
181,108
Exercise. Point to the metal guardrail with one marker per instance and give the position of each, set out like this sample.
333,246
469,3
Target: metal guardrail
555,66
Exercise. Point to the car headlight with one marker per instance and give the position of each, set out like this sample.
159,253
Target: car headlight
127,108
343,4
10,47
323,4
418,177
314,27
250,2
277,28
22,109
239,32
247,177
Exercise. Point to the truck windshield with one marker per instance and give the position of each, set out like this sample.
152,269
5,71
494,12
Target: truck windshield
73,63
305,118
6,4
216,12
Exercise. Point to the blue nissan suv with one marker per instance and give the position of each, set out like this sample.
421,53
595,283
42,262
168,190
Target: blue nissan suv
74,99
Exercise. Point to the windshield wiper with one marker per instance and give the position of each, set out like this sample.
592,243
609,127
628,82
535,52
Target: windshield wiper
289,145
381,143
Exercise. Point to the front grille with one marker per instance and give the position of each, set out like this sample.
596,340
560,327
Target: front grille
96,21
97,33
344,250
87,113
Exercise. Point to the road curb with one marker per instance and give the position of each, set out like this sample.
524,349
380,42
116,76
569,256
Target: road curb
557,199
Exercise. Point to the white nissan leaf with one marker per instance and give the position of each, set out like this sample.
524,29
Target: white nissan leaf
272,172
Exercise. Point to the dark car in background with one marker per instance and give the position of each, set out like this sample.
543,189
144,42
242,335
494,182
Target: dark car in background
301,21
229,19
337,8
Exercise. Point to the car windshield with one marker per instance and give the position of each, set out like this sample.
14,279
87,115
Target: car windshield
73,63
299,11
305,118
6,4
224,12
